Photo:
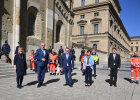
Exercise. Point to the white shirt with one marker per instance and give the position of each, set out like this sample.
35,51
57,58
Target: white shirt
44,52
114,56
67,56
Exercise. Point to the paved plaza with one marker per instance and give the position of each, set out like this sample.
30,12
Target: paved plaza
53,88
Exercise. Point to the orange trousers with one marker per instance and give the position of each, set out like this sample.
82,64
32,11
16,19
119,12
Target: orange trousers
52,67
32,65
133,71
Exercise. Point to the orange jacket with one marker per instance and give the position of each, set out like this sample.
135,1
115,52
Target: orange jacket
135,61
31,57
82,59
53,58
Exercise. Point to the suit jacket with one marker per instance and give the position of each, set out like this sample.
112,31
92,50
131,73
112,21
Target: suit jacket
65,61
39,55
6,49
91,62
112,61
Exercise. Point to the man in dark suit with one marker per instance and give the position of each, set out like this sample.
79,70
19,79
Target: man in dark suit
42,57
61,50
67,63
114,63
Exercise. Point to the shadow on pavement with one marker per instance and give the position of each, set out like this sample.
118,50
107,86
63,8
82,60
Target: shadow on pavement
127,79
74,81
73,74
31,83
121,70
52,81
108,81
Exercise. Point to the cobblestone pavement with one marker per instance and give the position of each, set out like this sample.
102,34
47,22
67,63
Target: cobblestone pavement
54,89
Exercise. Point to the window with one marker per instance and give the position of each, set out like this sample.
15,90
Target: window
137,48
95,28
136,42
118,31
96,14
31,24
131,42
82,3
131,48
81,30
111,23
96,1
95,46
82,16
115,27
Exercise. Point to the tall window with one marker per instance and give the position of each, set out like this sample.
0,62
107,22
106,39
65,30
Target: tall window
111,23
31,24
82,3
81,30
96,1
95,28
115,27
95,46
137,48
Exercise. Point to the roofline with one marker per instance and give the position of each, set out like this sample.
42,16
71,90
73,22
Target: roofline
119,19
135,37
118,5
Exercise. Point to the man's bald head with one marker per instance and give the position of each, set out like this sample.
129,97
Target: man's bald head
42,45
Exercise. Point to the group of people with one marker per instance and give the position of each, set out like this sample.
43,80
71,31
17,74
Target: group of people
43,60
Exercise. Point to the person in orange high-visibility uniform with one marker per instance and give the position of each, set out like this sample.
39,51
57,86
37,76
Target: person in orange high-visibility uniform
135,65
31,57
53,60
82,60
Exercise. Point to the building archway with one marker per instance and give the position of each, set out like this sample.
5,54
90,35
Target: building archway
60,32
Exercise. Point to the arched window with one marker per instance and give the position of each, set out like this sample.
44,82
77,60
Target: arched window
95,46
32,13
31,24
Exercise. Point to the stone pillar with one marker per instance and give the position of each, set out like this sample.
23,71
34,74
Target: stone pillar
16,25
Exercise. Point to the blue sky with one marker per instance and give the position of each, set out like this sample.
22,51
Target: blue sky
130,16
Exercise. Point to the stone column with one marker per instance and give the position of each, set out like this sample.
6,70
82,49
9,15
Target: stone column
16,25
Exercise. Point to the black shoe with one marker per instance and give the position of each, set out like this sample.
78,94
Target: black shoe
131,81
65,84
39,85
110,84
86,84
71,85
115,85
137,82
18,86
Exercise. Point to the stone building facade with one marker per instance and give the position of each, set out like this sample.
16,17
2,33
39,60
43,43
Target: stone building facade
135,45
32,22
97,24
